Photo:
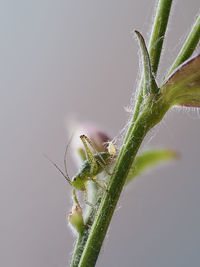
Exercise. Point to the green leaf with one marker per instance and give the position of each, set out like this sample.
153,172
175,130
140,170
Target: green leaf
183,86
149,83
149,159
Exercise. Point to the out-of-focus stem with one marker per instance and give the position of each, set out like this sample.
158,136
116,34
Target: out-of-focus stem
188,47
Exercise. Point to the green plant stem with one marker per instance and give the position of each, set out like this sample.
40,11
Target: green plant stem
158,32
125,160
155,48
188,47
109,202
89,219
78,250
128,151
81,241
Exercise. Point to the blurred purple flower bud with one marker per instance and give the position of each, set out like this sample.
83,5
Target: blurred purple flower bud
93,132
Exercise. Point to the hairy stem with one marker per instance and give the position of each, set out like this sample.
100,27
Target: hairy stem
155,48
81,240
125,160
78,250
188,47
158,32
109,201
132,142
95,199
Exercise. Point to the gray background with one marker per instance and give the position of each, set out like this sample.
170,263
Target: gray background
65,59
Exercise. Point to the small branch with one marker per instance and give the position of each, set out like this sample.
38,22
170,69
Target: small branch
147,74
149,83
158,32
188,47
155,47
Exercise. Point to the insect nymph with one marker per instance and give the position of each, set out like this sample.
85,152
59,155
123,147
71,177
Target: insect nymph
91,167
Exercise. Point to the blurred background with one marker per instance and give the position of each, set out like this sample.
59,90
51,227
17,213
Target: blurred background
62,60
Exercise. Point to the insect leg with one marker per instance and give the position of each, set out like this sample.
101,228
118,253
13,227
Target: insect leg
85,139
86,198
91,159
97,183
103,182
94,167
104,167
75,198
89,154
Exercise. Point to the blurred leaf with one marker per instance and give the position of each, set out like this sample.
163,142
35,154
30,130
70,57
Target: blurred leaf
149,159
183,86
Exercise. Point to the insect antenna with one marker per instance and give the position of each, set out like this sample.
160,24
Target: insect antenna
55,165
65,155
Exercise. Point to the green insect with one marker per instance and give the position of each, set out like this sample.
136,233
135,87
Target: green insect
92,166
